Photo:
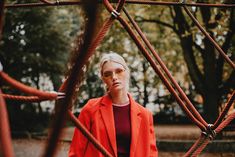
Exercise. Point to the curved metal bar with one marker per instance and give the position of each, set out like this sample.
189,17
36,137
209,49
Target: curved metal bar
29,90
127,1
5,133
179,4
5,136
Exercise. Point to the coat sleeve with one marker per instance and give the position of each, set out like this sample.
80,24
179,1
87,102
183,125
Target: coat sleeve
79,141
153,147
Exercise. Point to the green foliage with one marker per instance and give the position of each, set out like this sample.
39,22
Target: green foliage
32,44
34,49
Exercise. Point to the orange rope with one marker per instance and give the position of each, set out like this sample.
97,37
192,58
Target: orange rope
23,98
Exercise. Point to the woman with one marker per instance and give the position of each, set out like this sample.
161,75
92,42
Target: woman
120,124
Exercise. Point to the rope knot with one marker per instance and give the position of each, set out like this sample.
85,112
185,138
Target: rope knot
115,13
210,132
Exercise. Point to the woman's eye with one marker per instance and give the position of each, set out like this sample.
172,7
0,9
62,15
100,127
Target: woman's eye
119,71
107,74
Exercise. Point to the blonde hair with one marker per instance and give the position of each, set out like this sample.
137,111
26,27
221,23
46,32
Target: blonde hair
114,57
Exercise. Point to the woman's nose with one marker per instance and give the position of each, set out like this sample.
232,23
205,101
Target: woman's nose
114,76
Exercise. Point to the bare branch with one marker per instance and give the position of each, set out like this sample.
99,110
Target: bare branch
141,19
187,44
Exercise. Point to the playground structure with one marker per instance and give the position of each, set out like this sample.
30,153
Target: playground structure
87,49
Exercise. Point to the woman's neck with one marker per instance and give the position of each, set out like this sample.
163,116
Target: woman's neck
119,97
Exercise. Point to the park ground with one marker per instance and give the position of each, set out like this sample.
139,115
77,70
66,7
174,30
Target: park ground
33,146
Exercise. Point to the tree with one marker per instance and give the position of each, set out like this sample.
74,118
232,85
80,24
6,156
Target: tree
212,78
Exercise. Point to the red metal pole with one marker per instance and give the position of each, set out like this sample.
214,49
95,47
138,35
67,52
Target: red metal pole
5,136
61,3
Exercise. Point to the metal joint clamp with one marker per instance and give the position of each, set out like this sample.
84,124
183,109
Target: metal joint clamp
60,95
209,132
115,13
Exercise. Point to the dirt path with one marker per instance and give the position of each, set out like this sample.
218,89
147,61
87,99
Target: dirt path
34,147
177,132
174,132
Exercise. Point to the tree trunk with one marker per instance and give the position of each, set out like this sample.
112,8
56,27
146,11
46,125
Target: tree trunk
211,105
146,98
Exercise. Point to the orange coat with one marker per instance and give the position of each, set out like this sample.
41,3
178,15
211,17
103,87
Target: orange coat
97,117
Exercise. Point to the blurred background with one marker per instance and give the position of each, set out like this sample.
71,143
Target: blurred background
38,44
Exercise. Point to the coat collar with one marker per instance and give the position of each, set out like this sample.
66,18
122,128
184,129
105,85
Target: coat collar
135,124
108,118
106,110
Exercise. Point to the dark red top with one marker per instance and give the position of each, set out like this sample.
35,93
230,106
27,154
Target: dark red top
123,129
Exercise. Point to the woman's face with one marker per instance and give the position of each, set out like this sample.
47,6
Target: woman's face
115,76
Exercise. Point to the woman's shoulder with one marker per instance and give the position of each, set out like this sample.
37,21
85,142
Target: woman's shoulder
93,101
140,107
143,109
92,104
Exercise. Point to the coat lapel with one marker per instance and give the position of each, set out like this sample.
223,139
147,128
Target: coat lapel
106,110
108,118
135,125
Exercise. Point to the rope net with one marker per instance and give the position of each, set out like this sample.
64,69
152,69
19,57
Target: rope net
91,40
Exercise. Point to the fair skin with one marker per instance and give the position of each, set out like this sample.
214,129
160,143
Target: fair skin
115,77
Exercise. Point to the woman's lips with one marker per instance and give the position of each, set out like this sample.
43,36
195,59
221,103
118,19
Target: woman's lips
116,83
